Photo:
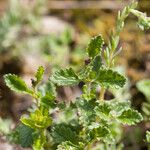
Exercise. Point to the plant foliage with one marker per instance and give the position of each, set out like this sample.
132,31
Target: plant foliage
90,118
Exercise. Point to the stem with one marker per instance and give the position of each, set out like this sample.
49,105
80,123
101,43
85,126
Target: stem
89,146
102,93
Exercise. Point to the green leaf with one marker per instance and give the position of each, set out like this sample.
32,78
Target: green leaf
48,101
111,109
85,109
47,88
37,120
38,76
22,135
117,107
84,73
146,110
103,111
25,136
110,78
64,132
148,136
65,77
101,133
95,46
16,84
144,87
96,63
130,117
39,73
39,142
67,146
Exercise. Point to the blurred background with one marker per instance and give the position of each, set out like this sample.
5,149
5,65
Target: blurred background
54,33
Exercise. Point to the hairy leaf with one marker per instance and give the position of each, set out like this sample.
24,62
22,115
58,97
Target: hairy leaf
63,132
38,76
108,77
101,133
117,107
65,77
15,83
85,109
67,146
48,101
130,117
22,135
39,142
96,63
47,88
95,46
37,120
103,111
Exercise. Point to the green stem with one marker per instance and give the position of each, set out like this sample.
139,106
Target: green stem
89,146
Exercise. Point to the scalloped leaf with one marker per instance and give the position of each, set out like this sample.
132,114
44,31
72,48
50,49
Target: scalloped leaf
97,63
130,117
65,77
22,135
38,76
95,46
85,108
37,120
117,107
101,133
16,84
67,146
103,111
108,109
64,132
110,78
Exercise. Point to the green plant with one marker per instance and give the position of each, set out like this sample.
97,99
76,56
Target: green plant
148,139
144,86
14,19
89,120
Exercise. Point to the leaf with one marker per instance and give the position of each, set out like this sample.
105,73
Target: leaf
67,146
65,77
103,111
110,78
144,87
97,63
47,88
64,132
85,109
16,84
111,109
48,101
39,142
84,73
117,107
22,135
39,75
101,133
148,136
95,46
37,120
130,117
146,110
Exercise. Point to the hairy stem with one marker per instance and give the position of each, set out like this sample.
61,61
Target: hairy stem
102,93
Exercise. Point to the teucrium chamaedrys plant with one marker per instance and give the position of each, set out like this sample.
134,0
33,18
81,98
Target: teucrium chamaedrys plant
90,119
